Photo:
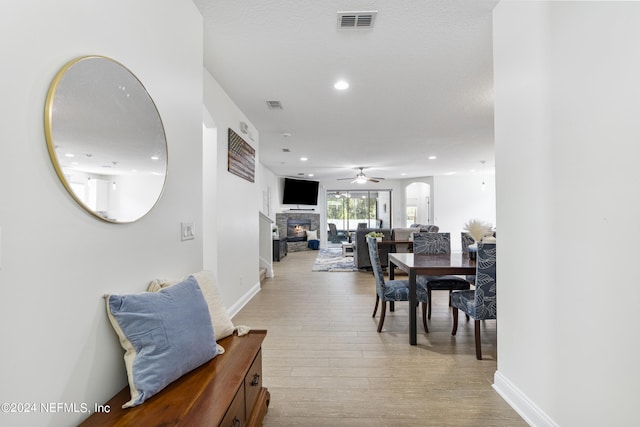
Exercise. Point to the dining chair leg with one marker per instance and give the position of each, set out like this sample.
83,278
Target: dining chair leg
383,310
429,302
424,317
375,308
478,344
454,311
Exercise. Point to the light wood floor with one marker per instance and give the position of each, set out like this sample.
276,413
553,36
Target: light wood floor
325,365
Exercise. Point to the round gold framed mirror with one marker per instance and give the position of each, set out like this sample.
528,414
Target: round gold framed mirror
106,139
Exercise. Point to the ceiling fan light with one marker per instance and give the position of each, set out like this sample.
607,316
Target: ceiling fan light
361,180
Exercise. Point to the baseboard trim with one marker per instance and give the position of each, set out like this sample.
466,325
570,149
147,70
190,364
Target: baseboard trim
235,308
528,410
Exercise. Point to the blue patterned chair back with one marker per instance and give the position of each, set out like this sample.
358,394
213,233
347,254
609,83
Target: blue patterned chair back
375,264
466,240
431,243
485,292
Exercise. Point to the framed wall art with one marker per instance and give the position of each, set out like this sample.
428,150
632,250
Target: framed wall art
242,157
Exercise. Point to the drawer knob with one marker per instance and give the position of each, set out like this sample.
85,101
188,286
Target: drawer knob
236,422
256,380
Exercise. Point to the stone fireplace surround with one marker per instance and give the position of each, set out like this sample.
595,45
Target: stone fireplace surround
281,223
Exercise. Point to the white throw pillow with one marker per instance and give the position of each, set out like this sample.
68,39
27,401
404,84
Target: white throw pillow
222,325
312,235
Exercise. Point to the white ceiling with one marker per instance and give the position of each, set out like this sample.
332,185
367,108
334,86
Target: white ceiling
421,83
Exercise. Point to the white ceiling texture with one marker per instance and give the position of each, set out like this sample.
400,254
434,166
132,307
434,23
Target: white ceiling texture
420,83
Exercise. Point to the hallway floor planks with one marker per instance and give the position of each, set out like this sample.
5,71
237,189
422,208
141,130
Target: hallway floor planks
325,364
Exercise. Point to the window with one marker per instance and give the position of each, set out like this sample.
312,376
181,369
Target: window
346,209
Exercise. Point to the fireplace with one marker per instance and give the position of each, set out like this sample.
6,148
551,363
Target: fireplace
286,223
297,229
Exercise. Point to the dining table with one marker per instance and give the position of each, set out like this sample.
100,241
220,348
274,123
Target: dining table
456,263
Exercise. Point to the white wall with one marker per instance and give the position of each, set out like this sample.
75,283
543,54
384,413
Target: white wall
270,192
458,199
57,260
566,107
209,193
236,212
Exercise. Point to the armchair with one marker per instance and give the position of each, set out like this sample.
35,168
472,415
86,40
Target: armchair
480,303
333,233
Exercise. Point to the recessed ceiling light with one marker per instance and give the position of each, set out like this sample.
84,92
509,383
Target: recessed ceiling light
310,175
432,157
341,85
304,159
403,174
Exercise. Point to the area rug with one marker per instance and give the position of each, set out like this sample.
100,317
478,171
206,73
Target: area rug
331,259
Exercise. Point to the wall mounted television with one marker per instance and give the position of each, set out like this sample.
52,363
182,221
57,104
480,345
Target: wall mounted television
300,192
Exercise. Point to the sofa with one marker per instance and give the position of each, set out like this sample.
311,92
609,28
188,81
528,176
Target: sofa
426,228
361,251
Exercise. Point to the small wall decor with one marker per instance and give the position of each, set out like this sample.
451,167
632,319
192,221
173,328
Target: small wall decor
242,157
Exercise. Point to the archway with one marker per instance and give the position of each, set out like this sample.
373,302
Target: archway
417,203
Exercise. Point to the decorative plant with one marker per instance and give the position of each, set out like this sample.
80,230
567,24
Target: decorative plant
374,234
477,229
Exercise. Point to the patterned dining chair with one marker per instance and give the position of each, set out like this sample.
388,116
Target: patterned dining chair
391,290
436,244
465,241
480,303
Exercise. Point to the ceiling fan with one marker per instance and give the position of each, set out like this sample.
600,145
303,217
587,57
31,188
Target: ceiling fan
361,178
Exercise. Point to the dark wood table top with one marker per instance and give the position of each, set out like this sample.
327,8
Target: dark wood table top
431,265
435,265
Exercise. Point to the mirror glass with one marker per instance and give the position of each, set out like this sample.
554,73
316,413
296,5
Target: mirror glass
106,139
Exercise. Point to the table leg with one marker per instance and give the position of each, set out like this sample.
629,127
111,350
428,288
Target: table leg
413,302
392,305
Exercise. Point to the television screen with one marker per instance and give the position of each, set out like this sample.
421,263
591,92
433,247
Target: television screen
300,192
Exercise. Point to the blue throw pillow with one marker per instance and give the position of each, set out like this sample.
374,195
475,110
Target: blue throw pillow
164,334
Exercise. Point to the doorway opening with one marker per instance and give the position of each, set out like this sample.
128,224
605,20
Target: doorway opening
417,203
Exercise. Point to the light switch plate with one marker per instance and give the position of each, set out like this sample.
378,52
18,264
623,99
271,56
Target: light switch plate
187,231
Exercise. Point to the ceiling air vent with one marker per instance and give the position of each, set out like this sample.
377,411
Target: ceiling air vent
356,20
274,105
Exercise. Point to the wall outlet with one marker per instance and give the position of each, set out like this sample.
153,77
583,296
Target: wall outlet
187,232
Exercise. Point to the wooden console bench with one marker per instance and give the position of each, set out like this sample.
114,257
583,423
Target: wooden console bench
226,391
